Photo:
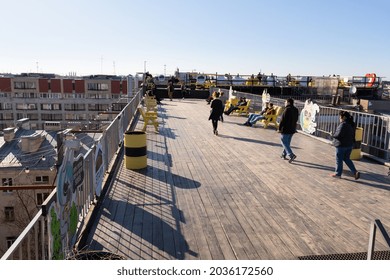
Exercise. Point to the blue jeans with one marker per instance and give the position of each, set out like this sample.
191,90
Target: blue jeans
343,155
255,117
286,142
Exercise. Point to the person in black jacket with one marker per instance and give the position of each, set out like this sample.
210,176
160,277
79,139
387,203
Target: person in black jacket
287,128
216,111
343,140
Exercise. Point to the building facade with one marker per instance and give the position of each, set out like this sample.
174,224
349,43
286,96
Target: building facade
52,102
27,175
29,162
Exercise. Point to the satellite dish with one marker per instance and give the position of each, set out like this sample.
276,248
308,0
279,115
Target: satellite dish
353,90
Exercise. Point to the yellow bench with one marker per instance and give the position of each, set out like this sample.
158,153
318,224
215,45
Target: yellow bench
243,110
230,102
150,118
151,105
273,119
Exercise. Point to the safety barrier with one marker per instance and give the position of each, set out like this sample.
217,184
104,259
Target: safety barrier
34,242
375,138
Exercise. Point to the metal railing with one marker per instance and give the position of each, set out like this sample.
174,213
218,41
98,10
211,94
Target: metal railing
376,128
34,242
371,242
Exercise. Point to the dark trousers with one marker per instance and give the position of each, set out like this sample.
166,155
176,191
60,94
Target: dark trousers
215,124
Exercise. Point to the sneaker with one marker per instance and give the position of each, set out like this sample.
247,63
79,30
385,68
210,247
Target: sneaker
357,175
335,176
292,158
216,132
283,157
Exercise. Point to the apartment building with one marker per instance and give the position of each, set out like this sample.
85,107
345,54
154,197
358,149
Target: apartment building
27,173
29,160
52,102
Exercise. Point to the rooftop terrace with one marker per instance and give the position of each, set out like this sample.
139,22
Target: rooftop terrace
232,197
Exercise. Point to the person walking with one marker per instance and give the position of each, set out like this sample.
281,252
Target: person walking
216,111
170,89
183,89
287,128
343,140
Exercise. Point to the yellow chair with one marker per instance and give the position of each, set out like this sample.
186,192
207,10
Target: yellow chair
232,101
243,110
151,105
150,118
273,119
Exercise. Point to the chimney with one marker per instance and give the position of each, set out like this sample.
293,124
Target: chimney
23,123
9,134
31,143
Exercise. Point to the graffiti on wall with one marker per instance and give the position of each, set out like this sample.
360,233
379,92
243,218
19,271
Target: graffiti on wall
308,117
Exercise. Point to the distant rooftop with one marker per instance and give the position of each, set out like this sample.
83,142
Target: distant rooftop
12,154
53,76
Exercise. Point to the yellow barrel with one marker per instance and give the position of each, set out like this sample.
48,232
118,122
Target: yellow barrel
135,150
357,150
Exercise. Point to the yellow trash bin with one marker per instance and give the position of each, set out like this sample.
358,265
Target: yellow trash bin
357,150
135,150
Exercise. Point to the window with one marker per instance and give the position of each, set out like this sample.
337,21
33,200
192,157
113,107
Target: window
9,214
33,117
21,106
98,107
24,85
97,86
42,179
6,106
41,198
46,107
6,181
51,117
10,241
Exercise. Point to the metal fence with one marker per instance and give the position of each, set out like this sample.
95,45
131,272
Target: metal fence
34,241
376,128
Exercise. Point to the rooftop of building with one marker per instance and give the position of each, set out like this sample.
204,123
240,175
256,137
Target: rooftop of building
71,75
41,152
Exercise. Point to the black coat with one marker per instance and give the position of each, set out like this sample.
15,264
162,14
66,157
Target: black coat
216,109
344,135
288,122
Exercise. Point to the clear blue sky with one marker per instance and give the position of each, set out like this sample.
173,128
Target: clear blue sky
116,37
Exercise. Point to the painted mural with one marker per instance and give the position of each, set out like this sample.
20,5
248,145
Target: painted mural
63,213
308,117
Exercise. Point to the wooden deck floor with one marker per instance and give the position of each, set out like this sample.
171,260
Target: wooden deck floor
232,197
